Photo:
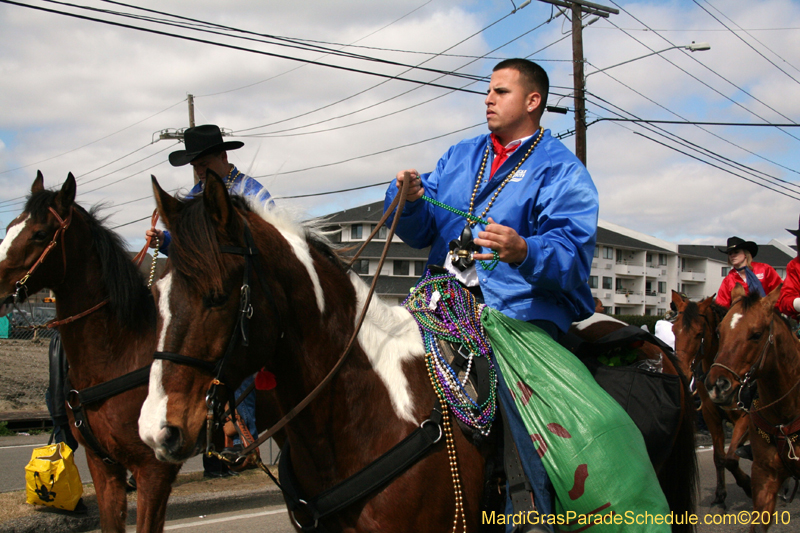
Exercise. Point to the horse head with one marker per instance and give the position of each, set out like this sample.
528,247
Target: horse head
695,327
32,239
746,334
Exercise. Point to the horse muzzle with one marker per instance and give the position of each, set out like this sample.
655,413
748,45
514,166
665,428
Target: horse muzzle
170,445
721,390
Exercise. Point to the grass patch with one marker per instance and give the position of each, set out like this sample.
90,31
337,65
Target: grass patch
5,432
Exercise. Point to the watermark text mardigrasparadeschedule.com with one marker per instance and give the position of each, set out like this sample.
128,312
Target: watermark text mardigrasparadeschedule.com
638,518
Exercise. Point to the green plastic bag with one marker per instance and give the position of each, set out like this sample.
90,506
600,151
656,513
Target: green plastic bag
592,451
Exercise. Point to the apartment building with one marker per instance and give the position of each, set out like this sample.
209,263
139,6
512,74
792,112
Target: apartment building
632,273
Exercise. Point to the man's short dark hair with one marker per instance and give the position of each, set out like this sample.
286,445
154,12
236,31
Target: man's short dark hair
533,76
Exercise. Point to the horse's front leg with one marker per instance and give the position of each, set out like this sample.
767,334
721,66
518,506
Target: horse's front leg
767,477
713,418
109,484
741,428
154,483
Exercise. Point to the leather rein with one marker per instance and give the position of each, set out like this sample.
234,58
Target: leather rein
216,369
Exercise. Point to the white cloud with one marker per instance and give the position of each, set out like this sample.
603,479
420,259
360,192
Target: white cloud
70,86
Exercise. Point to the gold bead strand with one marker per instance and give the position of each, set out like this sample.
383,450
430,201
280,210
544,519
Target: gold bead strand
153,265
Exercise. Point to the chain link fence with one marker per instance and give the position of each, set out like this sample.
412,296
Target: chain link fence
28,321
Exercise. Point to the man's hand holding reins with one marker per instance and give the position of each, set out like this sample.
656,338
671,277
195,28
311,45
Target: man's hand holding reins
415,189
511,248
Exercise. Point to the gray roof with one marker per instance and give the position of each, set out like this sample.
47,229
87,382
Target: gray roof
612,238
397,250
365,213
767,253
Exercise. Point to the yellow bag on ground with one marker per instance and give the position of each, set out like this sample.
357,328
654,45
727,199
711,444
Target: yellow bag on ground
51,477
592,451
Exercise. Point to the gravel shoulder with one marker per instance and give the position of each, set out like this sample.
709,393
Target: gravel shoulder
24,374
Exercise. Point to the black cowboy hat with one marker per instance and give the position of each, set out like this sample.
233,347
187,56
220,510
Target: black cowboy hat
200,141
736,243
795,232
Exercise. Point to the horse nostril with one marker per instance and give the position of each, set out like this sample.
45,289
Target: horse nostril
173,439
723,384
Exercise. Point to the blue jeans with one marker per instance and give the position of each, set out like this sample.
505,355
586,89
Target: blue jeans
529,457
247,409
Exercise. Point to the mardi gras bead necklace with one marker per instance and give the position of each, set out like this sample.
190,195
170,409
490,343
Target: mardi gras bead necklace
443,309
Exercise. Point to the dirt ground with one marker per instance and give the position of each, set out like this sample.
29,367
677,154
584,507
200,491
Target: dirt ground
24,374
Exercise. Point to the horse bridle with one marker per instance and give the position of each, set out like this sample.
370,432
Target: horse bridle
245,312
747,381
21,291
241,332
63,224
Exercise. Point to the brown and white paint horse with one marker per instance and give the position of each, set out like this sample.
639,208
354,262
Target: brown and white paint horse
86,266
380,395
696,345
757,345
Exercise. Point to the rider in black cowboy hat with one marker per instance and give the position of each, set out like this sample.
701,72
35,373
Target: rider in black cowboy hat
755,277
206,150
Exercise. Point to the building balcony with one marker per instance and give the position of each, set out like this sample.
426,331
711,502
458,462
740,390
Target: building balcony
626,269
696,276
628,297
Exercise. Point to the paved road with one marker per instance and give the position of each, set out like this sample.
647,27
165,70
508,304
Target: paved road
15,452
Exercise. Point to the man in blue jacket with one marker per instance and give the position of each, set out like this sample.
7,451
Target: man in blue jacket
541,205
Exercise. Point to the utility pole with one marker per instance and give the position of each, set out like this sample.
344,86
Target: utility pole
578,8
190,99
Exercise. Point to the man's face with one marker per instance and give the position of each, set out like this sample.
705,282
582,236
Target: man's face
217,162
507,104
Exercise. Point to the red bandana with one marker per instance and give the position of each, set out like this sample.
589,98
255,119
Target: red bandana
501,153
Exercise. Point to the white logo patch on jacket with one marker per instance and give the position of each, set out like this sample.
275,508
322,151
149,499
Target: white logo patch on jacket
518,175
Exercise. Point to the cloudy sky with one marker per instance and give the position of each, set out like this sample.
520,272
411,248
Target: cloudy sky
90,98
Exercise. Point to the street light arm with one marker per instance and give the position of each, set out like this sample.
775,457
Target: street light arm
694,47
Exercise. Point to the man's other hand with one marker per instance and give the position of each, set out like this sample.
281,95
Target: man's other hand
510,247
415,189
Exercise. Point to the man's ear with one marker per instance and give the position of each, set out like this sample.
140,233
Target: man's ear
533,101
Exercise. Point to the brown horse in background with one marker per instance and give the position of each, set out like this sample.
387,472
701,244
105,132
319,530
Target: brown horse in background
677,474
757,346
86,266
696,345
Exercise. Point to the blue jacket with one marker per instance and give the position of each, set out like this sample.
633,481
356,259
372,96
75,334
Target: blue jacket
551,202
243,185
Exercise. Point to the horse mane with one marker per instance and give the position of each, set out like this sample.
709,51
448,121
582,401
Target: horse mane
719,311
128,295
194,250
690,313
749,300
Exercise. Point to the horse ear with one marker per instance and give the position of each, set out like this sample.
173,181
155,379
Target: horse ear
38,183
217,201
738,291
66,196
677,299
168,206
772,298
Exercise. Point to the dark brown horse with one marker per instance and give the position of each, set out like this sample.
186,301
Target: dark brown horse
696,345
757,346
677,474
87,265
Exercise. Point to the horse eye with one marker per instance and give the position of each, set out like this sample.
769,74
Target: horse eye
39,236
214,300
756,335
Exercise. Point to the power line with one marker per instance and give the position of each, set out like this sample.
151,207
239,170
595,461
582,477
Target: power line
333,192
745,42
707,68
234,47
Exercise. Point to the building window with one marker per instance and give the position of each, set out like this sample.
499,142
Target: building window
662,259
661,312
361,266
593,282
419,268
381,232
608,282
649,258
401,268
725,271
356,232
662,287
608,253
596,251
